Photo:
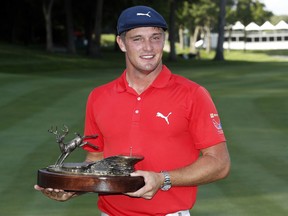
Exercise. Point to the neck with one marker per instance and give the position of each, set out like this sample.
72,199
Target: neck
141,81
139,84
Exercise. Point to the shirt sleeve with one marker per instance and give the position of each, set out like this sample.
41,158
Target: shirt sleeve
91,127
205,124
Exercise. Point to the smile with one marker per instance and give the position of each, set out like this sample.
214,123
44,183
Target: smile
147,56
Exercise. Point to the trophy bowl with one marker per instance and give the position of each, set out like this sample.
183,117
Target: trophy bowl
109,175
89,183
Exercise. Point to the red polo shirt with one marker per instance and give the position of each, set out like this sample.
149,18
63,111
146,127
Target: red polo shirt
169,123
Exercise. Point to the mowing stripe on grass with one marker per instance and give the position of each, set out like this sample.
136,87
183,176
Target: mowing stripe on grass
38,91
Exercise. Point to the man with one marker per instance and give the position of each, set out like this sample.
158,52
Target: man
167,118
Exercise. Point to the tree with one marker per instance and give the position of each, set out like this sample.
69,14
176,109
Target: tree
199,17
251,10
47,10
69,26
247,11
95,38
172,39
221,23
259,14
185,21
276,19
243,11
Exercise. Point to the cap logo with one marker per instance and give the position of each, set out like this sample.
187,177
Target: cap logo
139,16
143,14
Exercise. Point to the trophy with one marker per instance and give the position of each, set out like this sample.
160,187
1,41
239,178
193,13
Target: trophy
110,175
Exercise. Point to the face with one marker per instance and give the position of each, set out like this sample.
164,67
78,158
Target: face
144,49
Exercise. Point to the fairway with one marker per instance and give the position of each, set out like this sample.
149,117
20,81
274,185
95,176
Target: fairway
40,90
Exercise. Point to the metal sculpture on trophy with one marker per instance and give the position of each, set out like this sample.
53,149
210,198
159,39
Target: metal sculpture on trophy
109,175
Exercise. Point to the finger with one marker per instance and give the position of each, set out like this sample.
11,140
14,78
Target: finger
147,196
58,190
138,193
137,173
37,187
133,194
58,195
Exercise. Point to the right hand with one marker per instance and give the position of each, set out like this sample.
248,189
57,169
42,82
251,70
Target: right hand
56,194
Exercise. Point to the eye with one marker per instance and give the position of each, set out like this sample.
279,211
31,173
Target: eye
156,38
136,39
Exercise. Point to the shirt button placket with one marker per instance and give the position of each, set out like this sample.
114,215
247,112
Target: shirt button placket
136,116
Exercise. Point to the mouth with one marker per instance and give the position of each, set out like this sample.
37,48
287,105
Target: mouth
148,57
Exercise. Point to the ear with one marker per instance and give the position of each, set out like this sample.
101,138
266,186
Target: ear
121,43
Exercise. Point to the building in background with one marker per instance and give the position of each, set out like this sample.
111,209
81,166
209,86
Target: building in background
254,37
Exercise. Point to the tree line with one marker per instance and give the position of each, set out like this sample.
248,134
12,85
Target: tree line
63,23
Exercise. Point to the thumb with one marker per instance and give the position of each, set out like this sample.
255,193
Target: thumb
137,173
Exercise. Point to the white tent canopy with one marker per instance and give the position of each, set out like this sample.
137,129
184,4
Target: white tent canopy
238,26
256,37
252,27
281,25
267,26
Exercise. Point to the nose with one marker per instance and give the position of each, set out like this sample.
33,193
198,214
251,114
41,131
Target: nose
147,45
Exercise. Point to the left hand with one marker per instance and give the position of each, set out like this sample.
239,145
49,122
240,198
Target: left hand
153,182
56,194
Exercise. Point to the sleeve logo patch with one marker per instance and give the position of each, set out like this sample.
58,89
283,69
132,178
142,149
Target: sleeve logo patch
216,122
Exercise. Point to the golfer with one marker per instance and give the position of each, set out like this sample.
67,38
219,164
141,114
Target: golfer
170,120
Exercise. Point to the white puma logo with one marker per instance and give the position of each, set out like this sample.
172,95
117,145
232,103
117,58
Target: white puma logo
164,117
143,14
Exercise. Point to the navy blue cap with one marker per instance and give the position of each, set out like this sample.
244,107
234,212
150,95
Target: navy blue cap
139,16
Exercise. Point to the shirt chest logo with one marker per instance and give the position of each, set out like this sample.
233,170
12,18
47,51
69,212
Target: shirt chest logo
166,118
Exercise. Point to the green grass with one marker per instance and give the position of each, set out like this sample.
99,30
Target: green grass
40,90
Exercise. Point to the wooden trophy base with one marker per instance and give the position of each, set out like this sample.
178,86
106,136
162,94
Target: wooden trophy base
89,183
